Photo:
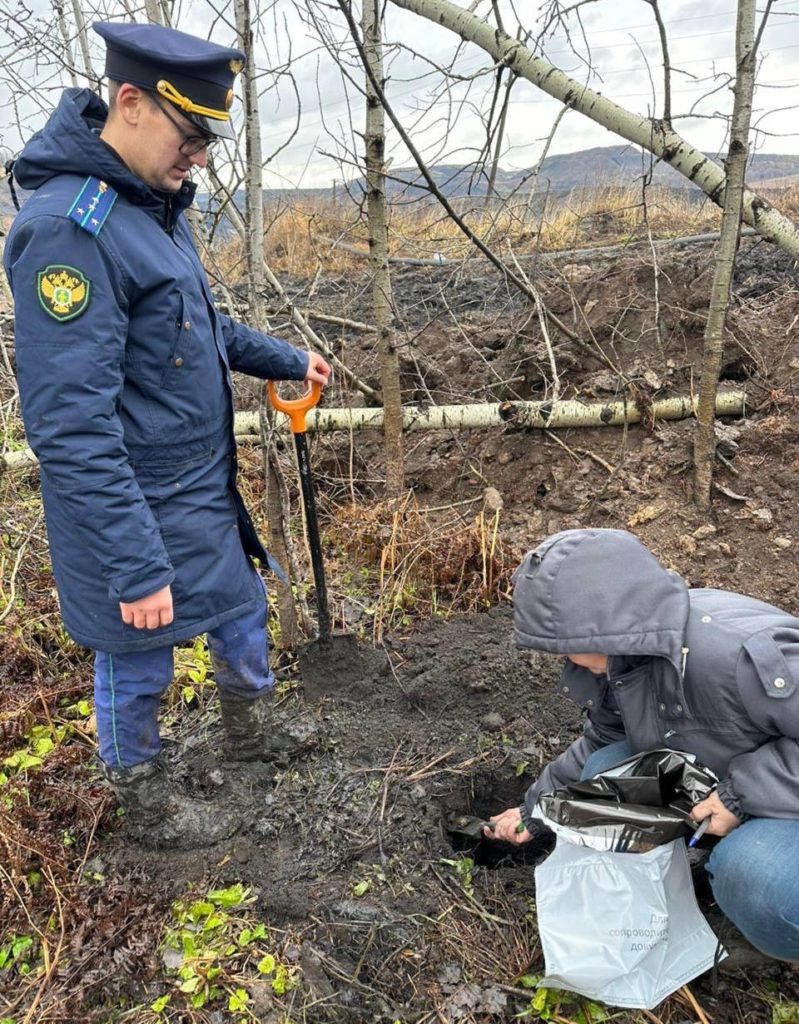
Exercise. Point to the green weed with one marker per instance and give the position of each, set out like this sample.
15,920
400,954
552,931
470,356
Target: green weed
42,740
192,669
781,1012
549,1003
19,955
464,870
211,949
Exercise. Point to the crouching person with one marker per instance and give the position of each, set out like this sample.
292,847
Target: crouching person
708,672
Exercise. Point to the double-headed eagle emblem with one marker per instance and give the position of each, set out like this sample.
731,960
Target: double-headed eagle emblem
63,291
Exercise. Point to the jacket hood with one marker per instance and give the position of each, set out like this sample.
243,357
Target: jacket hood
70,144
599,592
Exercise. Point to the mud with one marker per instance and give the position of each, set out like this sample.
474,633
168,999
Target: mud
347,850
451,721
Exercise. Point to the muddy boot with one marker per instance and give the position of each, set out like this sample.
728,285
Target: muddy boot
251,735
160,816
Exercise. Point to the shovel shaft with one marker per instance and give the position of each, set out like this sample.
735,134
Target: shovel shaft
314,543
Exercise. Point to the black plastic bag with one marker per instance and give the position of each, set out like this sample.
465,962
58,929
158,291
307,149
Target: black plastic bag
640,803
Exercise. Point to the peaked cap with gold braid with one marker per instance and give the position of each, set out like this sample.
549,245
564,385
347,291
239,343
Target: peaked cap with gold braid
194,75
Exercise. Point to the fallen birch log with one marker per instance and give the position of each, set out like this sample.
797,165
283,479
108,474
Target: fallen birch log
525,415
535,415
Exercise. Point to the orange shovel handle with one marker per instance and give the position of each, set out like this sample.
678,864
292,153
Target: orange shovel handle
296,408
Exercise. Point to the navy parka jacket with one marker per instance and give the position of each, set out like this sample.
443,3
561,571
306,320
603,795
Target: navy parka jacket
126,394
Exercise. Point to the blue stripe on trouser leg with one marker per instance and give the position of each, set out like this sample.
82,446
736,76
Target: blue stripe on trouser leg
240,655
127,691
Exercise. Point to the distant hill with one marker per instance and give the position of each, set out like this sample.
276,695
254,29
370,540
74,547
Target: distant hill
612,166
588,168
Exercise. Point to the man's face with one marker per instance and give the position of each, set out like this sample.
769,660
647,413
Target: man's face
596,663
164,156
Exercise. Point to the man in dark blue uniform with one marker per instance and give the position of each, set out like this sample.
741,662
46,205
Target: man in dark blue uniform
124,368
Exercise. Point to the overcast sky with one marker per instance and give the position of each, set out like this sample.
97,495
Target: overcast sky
310,114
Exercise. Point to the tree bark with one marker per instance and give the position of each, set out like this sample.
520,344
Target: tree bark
83,39
154,13
527,415
256,280
735,167
653,135
382,299
69,60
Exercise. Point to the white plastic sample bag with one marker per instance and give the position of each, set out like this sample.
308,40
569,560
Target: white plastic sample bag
617,913
622,928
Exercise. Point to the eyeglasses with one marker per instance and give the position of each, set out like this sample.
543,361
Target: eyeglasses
192,144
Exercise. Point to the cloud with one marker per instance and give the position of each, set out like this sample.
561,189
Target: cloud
312,110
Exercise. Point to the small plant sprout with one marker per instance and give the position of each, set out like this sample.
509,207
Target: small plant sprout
213,948
464,870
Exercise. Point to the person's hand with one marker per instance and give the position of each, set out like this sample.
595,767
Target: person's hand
508,826
722,820
150,612
318,369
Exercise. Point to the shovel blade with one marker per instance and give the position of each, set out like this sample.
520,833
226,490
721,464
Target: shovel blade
467,825
329,665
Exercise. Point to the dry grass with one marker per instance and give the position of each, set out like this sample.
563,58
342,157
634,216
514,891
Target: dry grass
416,565
306,238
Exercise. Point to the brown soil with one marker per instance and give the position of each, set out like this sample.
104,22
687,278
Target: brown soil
347,852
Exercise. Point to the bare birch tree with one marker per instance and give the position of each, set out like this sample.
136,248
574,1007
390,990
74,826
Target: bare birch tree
254,248
382,301
735,168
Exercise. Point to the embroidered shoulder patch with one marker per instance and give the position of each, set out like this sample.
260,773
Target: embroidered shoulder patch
92,205
63,291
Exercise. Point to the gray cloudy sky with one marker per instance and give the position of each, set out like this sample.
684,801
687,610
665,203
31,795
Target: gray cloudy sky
310,116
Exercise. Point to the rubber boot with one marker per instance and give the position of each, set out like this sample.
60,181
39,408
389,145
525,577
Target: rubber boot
160,816
251,735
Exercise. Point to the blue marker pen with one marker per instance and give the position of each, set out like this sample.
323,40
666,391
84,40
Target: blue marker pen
700,831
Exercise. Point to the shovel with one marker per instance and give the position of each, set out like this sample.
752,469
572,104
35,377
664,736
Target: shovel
333,659
467,825
472,826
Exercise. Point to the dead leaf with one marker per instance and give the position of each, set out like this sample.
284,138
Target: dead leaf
646,514
687,544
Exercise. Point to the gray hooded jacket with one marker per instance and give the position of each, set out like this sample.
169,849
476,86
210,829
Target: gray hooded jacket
706,671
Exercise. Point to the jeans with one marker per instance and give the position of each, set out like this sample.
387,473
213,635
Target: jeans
128,687
752,871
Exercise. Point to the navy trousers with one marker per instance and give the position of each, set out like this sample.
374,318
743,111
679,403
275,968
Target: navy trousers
128,687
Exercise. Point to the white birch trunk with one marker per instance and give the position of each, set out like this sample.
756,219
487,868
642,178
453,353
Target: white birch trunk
382,301
154,13
69,60
705,436
83,39
277,516
653,135
530,415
